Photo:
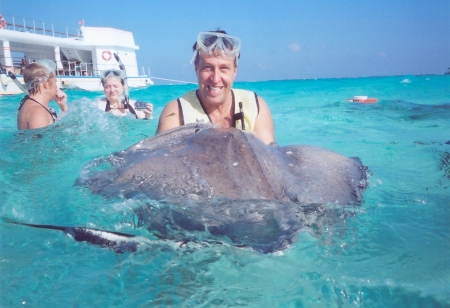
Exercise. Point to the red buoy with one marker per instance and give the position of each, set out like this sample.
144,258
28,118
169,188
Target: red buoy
363,100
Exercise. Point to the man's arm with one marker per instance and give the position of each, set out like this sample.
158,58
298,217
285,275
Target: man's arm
169,118
264,123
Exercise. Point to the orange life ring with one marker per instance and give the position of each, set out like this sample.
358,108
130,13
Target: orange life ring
3,22
106,55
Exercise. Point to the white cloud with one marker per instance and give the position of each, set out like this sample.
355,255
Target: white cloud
264,66
294,47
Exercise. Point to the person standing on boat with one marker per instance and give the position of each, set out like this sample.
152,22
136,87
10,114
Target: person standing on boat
215,59
40,81
115,103
23,64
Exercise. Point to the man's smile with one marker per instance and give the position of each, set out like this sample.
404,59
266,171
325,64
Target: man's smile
211,88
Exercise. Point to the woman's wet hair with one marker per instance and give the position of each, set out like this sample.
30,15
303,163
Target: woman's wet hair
33,75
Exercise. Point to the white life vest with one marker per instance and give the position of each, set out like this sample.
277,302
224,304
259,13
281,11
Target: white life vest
192,110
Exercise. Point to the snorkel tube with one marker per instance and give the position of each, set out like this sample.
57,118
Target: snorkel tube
17,82
125,78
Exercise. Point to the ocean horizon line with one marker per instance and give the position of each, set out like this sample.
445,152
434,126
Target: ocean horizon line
305,79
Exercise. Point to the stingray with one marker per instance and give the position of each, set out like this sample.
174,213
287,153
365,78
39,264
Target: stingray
227,185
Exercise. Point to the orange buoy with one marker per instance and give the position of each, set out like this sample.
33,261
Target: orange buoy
363,100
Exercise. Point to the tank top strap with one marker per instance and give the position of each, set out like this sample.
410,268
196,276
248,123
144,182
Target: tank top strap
50,111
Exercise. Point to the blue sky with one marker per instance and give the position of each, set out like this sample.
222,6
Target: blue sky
280,39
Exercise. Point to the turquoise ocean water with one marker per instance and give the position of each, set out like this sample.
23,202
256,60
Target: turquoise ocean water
393,251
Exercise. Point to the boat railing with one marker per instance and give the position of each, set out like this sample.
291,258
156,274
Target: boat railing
76,68
67,68
40,27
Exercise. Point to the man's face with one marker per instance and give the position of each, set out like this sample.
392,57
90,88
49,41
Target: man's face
215,75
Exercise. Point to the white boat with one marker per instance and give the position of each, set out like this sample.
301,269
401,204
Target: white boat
80,55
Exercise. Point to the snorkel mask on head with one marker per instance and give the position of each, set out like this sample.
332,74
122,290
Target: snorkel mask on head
111,73
49,66
213,42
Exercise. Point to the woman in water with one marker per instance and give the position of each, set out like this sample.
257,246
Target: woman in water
115,103
40,81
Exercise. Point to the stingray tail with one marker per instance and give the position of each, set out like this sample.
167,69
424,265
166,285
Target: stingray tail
117,241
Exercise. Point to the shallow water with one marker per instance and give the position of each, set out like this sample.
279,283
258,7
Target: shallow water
392,251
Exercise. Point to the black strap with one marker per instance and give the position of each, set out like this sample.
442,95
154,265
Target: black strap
203,106
23,101
257,102
108,106
180,111
125,106
51,112
239,116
